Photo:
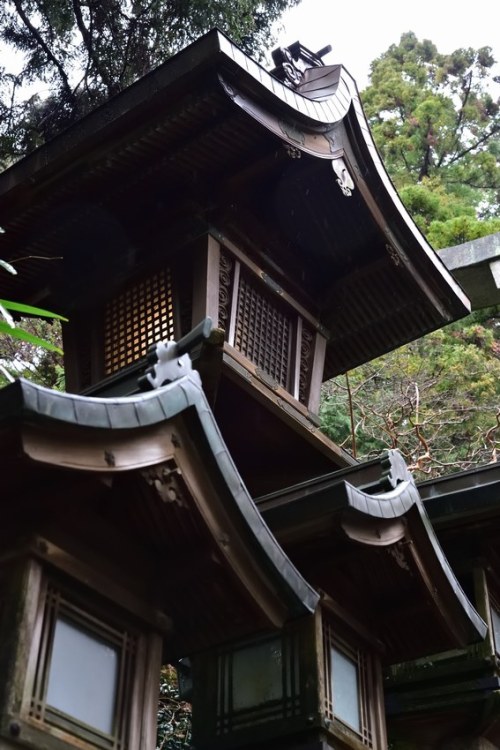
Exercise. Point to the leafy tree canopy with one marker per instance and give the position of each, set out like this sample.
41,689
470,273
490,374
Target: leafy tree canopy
436,399
35,355
436,120
437,124
85,51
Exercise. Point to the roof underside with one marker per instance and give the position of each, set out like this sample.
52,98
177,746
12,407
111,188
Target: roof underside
370,543
212,140
152,469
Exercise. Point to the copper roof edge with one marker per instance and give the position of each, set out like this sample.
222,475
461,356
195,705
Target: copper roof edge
24,402
353,503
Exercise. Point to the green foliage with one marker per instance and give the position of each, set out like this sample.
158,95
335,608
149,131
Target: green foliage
32,349
36,355
460,229
84,53
434,118
7,326
174,715
436,399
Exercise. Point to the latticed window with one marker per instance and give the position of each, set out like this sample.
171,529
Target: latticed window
84,674
258,682
263,332
269,327
139,316
346,679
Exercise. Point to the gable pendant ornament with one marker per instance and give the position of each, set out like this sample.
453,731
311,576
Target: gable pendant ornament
344,179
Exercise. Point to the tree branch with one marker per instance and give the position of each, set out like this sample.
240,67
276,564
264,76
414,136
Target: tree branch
87,40
460,117
351,415
42,43
495,129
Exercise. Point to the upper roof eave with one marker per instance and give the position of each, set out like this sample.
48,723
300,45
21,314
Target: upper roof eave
431,259
25,187
213,50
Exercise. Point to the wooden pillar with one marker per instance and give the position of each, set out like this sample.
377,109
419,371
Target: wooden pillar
206,281
317,369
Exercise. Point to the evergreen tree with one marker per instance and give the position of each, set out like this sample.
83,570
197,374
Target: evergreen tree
436,121
437,125
85,51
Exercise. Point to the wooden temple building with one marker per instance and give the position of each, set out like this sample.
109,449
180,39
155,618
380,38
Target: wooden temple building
222,239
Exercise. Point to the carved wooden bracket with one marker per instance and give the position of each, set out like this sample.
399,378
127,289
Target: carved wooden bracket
166,479
344,179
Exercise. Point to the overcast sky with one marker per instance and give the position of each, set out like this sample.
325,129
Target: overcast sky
360,30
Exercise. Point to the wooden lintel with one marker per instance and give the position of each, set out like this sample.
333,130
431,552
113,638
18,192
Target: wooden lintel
281,403
331,605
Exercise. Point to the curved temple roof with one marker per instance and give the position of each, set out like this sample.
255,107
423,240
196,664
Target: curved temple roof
380,552
211,134
244,581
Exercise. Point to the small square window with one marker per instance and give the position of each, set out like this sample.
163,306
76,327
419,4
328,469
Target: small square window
257,675
258,682
345,688
347,670
84,672
91,698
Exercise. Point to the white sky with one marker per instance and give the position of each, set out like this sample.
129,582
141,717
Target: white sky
360,30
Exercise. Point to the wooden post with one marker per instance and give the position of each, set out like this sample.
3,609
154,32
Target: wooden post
206,282
318,367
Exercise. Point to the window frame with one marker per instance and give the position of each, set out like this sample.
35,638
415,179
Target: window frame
56,604
136,316
27,680
306,336
90,343
229,719
371,733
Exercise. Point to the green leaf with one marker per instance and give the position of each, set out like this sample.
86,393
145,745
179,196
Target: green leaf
29,310
19,333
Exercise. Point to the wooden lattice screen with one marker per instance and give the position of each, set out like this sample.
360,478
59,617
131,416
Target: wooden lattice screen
263,332
136,318
268,327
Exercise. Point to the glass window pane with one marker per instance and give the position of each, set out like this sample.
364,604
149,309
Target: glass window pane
345,689
83,676
257,675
